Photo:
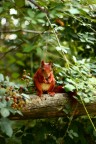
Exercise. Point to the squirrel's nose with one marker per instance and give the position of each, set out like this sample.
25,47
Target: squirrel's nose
46,78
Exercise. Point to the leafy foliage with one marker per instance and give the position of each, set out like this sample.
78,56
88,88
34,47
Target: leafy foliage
12,99
63,32
79,77
74,26
53,131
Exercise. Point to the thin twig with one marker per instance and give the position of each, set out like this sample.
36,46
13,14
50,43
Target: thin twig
59,44
39,7
19,30
70,120
4,54
62,1
88,114
25,30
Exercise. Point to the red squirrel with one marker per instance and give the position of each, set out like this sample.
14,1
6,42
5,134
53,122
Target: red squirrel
44,79
45,82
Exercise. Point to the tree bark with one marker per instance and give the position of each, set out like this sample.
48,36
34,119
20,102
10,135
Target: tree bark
60,105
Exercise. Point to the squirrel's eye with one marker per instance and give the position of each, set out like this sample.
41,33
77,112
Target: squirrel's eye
43,69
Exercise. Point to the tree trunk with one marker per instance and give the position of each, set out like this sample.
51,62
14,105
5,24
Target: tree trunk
58,106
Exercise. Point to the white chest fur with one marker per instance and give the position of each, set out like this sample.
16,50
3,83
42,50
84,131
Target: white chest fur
45,86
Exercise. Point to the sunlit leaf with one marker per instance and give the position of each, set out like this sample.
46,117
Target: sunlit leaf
7,78
19,112
25,96
74,11
86,100
2,91
69,87
74,59
1,77
5,112
70,81
62,48
6,127
1,9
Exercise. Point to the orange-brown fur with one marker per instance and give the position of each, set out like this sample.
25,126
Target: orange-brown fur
44,79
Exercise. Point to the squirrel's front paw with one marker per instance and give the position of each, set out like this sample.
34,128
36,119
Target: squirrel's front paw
39,94
45,81
51,93
49,81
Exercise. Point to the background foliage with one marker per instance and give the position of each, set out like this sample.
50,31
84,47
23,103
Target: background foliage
63,32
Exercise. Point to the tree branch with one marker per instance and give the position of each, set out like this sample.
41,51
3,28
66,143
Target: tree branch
48,107
25,30
39,7
5,53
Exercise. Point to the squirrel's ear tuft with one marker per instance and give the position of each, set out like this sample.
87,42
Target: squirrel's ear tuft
50,63
42,63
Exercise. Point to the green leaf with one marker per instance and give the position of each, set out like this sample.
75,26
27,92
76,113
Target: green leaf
65,111
15,75
70,81
62,48
30,13
1,9
1,77
33,21
5,112
94,133
2,91
27,48
19,112
3,104
74,59
9,103
21,63
91,1
74,11
75,134
6,126
25,96
86,100
20,3
28,3
7,78
69,87
13,111
41,15
40,20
